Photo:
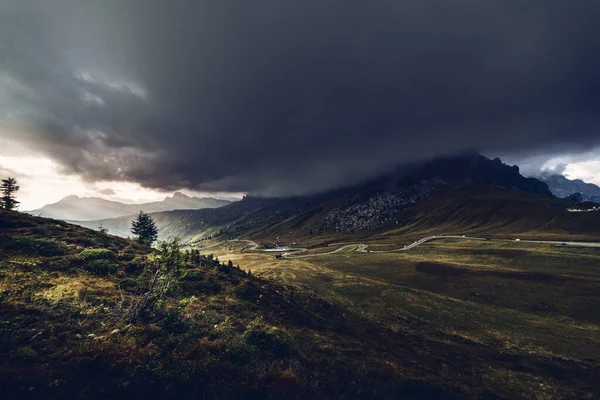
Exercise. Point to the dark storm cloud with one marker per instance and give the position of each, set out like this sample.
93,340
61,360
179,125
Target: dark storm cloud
291,97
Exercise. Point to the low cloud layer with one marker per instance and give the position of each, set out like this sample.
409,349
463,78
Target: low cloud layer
287,97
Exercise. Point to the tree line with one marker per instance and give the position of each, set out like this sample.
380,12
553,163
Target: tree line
143,226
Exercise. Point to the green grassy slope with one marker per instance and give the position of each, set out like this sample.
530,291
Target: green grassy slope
495,211
473,209
477,210
522,317
65,299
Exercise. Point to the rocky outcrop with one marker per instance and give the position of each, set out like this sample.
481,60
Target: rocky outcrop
379,209
564,188
474,168
394,192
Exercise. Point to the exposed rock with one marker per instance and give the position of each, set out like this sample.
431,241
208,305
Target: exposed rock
565,188
378,209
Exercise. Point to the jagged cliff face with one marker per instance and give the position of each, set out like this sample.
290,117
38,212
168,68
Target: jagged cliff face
420,182
476,169
379,209
563,188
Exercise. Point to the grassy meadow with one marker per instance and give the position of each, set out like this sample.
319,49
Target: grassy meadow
527,312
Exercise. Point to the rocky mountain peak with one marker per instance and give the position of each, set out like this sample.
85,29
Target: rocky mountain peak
563,187
179,196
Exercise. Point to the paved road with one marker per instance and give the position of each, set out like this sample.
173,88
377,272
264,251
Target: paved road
362,248
252,245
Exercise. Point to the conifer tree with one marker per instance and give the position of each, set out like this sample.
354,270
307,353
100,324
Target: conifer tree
144,228
9,187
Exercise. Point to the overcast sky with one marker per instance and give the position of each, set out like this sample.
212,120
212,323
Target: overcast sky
138,98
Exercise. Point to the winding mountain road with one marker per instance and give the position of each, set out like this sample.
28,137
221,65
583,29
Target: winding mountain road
362,247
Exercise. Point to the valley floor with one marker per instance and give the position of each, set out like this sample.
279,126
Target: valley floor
519,317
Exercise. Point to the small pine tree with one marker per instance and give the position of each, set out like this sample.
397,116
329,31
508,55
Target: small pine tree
167,275
9,187
144,228
102,229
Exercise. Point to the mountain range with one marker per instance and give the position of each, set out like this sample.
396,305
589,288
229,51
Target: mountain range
463,193
575,189
94,208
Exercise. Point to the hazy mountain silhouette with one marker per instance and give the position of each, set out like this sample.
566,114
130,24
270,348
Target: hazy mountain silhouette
94,208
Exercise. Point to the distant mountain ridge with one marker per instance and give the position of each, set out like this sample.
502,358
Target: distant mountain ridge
366,208
77,208
570,188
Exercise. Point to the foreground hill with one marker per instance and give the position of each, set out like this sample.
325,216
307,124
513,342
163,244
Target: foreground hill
68,329
93,208
359,210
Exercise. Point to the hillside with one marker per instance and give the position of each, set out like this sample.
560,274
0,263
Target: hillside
358,210
494,211
189,223
93,208
78,321
563,187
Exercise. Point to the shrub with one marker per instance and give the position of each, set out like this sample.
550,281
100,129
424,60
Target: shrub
38,246
61,263
266,341
42,230
25,353
167,276
82,241
97,254
208,285
127,255
101,267
194,276
15,223
248,292
135,266
128,283
172,321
